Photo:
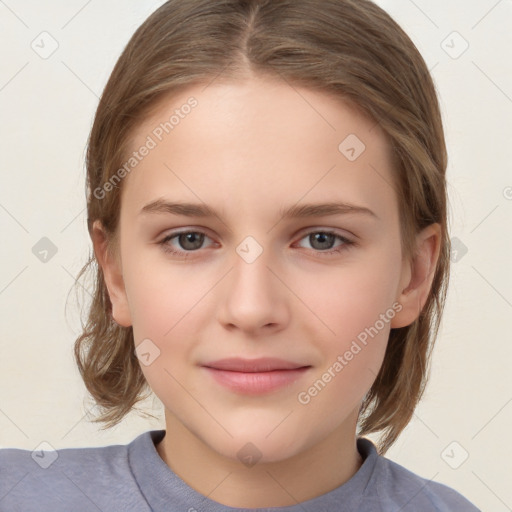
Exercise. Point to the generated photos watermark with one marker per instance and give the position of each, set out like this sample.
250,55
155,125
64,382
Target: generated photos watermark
152,140
305,397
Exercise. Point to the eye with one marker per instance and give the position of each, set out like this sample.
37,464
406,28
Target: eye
322,242
190,241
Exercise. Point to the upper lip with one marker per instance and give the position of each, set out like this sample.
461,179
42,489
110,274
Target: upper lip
262,364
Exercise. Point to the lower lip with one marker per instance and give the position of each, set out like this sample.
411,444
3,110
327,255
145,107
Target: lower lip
258,382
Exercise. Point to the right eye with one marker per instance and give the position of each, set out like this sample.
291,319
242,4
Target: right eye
190,241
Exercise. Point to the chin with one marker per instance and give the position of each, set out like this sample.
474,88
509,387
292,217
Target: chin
254,447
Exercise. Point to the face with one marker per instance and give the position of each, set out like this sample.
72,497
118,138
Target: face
318,291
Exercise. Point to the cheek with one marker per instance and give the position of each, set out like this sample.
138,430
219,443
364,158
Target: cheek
161,296
167,307
352,297
352,349
336,392
355,307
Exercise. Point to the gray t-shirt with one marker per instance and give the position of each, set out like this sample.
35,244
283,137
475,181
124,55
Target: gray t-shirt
133,477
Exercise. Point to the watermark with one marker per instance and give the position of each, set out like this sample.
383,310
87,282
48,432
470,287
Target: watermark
249,455
304,397
249,249
454,455
458,249
351,147
44,250
44,455
45,45
151,143
454,45
147,351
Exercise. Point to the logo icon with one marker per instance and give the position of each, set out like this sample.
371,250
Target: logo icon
249,455
45,45
44,455
351,147
459,249
249,249
44,250
454,455
147,351
454,45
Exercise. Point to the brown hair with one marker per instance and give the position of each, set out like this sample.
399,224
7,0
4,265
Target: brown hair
349,48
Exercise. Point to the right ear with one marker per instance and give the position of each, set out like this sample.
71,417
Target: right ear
113,275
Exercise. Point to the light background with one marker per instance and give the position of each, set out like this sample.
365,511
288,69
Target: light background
47,107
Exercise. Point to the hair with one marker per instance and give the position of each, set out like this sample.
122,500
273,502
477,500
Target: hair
349,48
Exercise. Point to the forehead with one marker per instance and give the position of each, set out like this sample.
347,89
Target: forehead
259,140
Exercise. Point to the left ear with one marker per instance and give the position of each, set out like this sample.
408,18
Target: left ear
417,276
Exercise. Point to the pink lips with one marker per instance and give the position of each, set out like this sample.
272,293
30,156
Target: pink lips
255,376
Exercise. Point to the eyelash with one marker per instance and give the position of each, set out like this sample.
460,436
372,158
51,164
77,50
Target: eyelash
185,254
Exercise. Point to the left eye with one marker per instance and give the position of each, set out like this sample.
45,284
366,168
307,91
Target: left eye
191,241
323,241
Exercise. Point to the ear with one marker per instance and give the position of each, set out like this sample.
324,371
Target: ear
113,275
417,276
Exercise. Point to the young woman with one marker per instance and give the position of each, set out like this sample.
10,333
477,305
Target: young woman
267,206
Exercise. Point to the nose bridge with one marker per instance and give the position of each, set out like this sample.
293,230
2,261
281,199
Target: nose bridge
251,274
254,296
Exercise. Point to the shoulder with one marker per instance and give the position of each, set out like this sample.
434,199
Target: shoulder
68,478
401,489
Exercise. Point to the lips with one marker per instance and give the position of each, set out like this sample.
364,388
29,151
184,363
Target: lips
255,376
263,364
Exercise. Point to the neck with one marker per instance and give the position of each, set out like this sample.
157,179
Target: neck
304,476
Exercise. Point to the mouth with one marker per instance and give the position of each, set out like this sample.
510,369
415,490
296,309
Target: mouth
255,376
262,364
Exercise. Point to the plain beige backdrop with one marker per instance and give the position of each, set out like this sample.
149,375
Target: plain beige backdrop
56,59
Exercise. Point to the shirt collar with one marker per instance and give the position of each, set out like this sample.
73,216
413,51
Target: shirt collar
161,487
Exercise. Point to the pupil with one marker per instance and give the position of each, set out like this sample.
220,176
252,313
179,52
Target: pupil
323,238
189,238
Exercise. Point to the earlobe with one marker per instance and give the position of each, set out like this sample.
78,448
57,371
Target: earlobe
417,276
112,274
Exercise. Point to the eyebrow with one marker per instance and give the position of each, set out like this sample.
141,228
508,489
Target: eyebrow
292,212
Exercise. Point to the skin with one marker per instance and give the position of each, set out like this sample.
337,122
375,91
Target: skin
248,149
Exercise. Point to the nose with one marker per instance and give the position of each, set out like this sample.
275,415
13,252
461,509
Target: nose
254,298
